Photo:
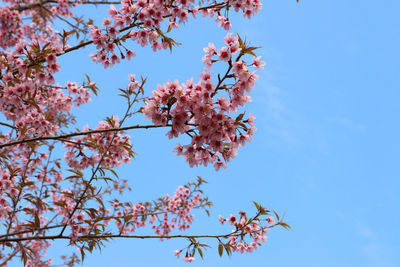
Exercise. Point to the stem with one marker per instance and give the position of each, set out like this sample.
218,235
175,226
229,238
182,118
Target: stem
8,125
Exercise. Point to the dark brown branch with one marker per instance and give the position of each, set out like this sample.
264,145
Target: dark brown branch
53,237
8,125
41,3
103,218
58,137
237,232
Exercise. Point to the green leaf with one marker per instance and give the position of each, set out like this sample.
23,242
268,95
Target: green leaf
220,249
24,257
285,225
241,44
200,252
77,172
116,175
82,254
240,117
256,204
228,249
276,214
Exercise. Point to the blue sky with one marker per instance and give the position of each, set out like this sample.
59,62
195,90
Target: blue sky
326,152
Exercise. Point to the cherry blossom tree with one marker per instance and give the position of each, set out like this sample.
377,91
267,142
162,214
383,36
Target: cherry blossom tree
45,197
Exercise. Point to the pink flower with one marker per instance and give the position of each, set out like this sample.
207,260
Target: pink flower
210,49
112,11
188,258
51,59
224,54
229,40
221,219
130,54
219,164
258,63
107,21
232,220
271,220
177,253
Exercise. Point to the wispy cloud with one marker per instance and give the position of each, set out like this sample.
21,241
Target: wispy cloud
345,122
374,248
277,118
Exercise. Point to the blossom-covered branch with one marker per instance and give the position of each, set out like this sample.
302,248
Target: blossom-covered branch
75,197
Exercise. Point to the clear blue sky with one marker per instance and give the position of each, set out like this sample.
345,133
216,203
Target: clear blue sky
327,147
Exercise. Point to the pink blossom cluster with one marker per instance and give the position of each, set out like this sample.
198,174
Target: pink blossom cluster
62,8
65,205
177,213
147,17
248,235
6,183
20,185
167,214
37,253
250,228
24,162
248,7
28,97
5,208
136,214
10,30
186,258
106,45
80,93
32,24
117,146
201,112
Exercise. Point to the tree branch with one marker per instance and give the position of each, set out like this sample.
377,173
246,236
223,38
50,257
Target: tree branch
58,137
8,125
104,218
40,3
53,237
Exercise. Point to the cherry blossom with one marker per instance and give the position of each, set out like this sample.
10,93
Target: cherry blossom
46,198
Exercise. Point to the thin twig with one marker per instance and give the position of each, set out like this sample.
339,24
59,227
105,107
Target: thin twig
8,125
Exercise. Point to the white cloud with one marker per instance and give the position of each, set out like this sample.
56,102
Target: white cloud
376,251
277,118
